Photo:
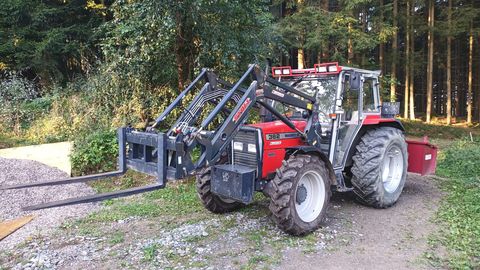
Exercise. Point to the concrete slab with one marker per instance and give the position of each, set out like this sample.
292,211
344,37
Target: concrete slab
52,154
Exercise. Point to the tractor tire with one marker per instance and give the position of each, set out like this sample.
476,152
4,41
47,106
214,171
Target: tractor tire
380,167
211,201
299,194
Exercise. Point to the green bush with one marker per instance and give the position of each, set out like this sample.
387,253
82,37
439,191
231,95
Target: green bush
96,152
15,88
16,94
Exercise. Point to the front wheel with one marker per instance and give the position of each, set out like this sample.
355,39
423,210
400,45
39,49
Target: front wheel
299,194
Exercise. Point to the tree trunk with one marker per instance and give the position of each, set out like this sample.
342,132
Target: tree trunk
300,59
324,56
431,23
470,75
350,45
478,93
393,91
412,66
449,64
183,48
363,60
407,61
381,52
458,87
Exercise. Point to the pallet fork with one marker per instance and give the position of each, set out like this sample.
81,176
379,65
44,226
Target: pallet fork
168,155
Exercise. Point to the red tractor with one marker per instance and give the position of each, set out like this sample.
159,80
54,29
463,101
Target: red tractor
320,129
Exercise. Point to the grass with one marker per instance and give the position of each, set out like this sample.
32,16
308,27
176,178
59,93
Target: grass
257,237
129,180
150,252
7,141
117,238
174,205
459,213
174,200
255,260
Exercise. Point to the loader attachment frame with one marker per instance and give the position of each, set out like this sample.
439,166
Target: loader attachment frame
167,155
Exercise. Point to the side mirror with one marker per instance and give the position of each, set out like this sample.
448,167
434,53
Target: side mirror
355,81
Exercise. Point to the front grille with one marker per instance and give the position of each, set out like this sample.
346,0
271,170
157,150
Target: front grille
246,136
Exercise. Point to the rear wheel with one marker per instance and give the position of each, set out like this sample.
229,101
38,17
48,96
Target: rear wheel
299,194
380,167
211,201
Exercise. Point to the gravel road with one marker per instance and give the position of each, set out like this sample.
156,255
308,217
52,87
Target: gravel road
16,171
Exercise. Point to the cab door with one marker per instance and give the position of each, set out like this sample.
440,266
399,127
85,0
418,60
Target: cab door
349,115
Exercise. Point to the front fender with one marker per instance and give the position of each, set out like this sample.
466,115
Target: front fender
311,150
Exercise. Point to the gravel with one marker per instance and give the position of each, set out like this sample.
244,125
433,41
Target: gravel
17,171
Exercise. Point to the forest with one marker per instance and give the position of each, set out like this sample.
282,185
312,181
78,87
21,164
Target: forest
134,51
75,70
78,69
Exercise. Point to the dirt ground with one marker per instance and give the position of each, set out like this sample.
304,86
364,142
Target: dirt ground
393,238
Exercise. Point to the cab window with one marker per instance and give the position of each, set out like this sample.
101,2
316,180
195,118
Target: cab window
369,95
350,101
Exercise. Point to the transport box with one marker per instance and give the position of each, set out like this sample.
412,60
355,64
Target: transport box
422,157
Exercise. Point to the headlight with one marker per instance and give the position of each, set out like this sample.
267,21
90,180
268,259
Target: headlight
332,69
252,148
322,69
238,146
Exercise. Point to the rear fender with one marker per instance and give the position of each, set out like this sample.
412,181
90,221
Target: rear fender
373,122
367,125
311,150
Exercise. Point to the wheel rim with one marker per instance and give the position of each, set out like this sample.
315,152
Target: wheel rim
309,196
392,170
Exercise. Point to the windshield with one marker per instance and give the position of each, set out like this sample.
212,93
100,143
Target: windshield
325,89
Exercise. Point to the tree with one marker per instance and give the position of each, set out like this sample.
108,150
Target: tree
53,39
165,42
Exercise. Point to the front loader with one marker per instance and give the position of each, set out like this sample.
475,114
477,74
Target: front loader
321,129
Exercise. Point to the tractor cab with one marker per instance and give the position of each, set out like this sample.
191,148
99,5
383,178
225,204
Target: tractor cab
346,99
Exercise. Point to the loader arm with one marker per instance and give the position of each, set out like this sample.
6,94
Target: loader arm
168,155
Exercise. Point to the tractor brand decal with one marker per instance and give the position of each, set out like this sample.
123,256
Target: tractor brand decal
276,143
242,109
276,93
225,176
281,136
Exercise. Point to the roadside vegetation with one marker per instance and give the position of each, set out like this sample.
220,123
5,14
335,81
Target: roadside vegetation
440,131
459,213
458,171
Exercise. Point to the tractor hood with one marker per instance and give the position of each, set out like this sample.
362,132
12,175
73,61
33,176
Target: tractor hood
276,127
